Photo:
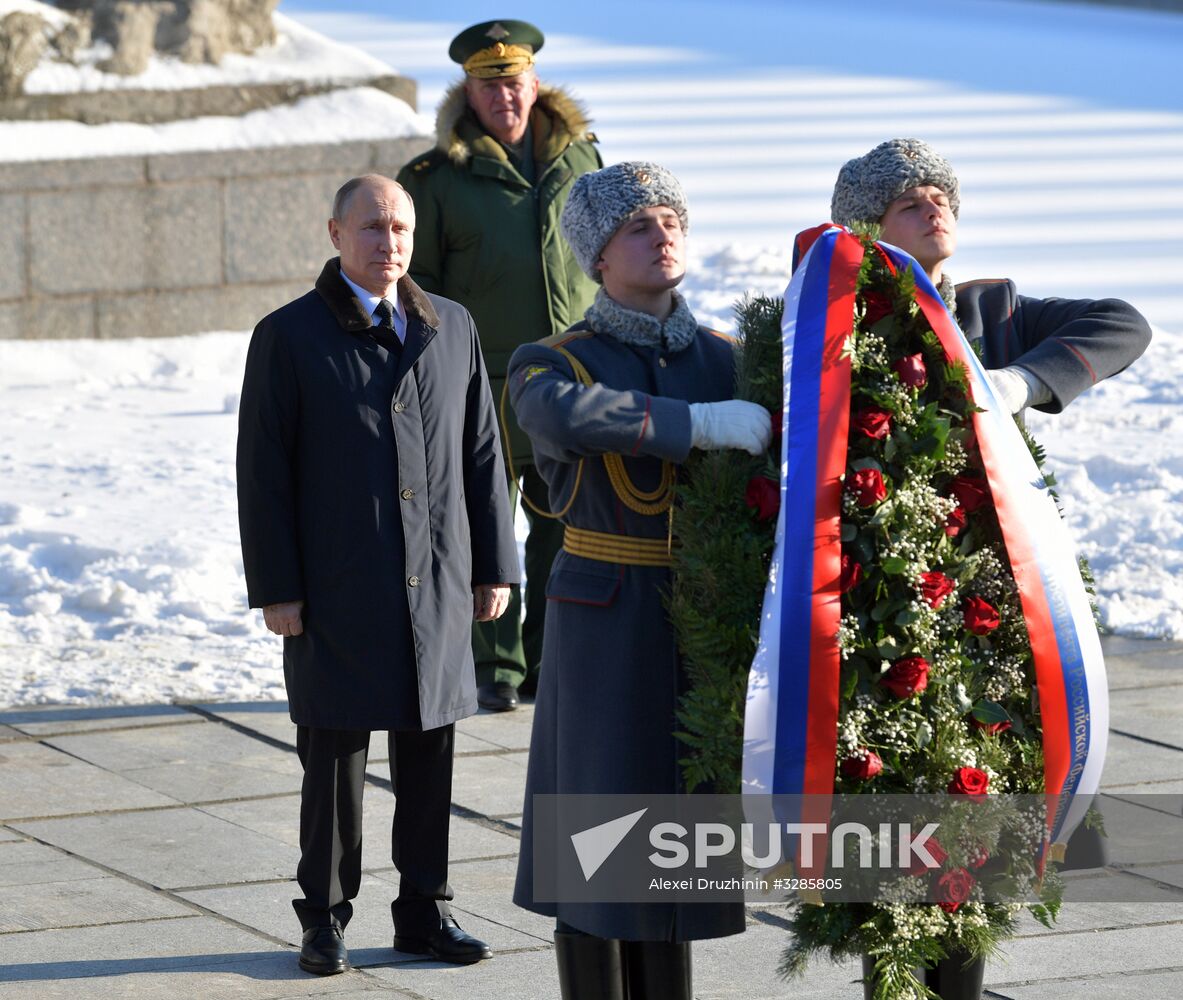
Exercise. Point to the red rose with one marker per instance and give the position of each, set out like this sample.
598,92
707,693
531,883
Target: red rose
906,677
970,493
979,858
873,422
911,371
955,522
981,617
969,781
993,727
935,587
863,765
954,888
763,496
876,305
868,488
851,575
920,867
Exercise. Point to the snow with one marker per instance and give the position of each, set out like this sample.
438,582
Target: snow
120,576
342,115
298,54
55,18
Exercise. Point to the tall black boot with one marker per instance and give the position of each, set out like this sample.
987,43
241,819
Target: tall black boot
590,967
954,979
658,970
1087,848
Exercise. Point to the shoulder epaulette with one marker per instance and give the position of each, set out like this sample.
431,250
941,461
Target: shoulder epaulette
579,331
730,338
980,281
428,161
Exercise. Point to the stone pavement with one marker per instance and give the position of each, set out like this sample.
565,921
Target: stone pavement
148,852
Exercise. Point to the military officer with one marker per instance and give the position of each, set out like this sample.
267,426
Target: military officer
488,199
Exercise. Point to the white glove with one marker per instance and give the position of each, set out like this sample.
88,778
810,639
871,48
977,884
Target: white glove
1017,388
732,423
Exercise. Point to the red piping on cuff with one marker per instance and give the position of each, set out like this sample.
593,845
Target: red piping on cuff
644,425
1083,360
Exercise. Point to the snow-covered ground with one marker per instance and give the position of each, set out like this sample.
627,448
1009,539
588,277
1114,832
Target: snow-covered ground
120,578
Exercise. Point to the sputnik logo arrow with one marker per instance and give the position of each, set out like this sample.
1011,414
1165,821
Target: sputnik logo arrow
595,844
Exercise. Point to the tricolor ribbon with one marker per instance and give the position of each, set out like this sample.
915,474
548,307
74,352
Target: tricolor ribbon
791,717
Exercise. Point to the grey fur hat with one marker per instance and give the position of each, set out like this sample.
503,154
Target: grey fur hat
868,184
601,201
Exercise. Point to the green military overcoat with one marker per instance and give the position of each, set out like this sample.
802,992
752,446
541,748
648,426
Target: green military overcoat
489,238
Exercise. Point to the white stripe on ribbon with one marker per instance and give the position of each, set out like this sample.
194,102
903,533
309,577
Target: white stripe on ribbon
759,730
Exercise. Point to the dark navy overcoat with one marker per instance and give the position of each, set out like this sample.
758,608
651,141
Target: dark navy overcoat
1069,344
371,486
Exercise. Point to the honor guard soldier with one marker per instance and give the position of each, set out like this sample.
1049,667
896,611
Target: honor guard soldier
614,405
1039,352
488,199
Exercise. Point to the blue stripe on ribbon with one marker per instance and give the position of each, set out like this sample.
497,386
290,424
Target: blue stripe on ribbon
1076,689
799,497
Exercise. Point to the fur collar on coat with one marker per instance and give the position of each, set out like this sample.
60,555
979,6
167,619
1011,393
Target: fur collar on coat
343,304
639,329
948,293
556,121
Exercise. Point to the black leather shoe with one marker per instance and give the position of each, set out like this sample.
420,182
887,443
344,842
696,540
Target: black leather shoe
323,952
448,944
500,696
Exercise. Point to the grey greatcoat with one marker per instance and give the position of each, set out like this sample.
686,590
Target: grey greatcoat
604,717
1069,344
371,487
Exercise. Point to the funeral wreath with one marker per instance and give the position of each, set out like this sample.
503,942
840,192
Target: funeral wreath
937,687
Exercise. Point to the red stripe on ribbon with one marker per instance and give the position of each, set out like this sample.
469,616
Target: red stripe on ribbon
1020,549
833,425
833,419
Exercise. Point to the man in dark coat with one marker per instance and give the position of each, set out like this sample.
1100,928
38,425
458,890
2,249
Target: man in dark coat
488,197
375,528
1039,352
613,406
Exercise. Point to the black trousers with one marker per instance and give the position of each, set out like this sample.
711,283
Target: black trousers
329,873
